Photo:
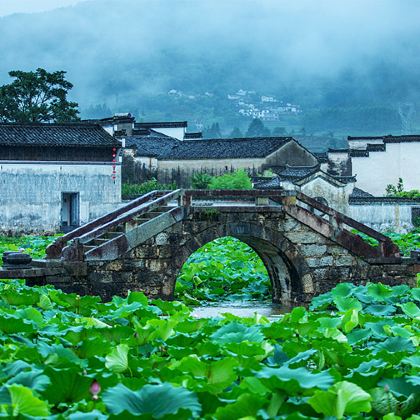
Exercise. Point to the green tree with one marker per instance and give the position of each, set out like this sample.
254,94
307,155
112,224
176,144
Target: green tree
257,129
37,96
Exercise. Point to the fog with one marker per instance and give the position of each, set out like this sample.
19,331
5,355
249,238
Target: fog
320,53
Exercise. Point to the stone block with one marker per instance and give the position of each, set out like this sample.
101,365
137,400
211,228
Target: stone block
303,237
319,262
344,260
313,250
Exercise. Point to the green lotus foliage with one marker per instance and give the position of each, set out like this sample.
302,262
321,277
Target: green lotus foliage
63,356
224,269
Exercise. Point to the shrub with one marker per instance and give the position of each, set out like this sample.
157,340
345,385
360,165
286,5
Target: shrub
238,180
133,190
201,181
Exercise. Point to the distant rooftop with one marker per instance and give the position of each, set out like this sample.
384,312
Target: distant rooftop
239,148
64,135
124,117
168,148
161,124
389,138
198,135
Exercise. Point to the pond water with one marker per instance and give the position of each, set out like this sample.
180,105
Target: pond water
242,309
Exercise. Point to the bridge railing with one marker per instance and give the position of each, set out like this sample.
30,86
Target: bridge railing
54,250
257,197
130,214
340,221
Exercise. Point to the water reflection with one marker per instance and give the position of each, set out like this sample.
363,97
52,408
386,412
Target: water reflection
242,309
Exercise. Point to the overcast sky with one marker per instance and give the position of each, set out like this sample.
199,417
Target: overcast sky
7,7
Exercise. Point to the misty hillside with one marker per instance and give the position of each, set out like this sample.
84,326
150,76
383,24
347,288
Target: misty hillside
348,68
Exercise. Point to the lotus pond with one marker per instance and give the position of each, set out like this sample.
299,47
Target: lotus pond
354,353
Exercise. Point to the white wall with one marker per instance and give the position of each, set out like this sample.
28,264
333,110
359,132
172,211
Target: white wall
362,144
400,160
176,132
393,217
337,197
30,199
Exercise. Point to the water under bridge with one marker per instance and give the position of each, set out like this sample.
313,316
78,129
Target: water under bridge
307,247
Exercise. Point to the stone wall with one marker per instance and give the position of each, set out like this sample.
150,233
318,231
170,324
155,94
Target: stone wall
30,199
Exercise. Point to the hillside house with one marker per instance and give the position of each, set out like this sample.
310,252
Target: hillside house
56,176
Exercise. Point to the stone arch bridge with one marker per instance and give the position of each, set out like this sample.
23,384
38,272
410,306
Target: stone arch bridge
307,247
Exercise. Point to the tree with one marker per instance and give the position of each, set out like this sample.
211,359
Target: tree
257,129
213,132
37,96
236,133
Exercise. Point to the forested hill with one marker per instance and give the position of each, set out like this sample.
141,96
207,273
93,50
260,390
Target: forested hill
348,67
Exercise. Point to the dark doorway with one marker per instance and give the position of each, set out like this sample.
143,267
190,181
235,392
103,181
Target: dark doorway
69,211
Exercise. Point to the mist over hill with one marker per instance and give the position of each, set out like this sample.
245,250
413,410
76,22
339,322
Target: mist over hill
350,66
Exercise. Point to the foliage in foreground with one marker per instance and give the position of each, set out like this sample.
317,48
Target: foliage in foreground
354,353
225,268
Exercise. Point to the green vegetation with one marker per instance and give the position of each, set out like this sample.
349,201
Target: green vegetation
201,181
37,96
238,180
405,241
134,190
223,269
398,191
33,245
353,353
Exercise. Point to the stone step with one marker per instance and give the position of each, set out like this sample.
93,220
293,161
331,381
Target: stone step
87,248
109,235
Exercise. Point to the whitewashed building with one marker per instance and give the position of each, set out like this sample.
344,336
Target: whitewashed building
56,176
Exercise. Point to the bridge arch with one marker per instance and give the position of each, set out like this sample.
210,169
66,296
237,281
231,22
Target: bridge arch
289,273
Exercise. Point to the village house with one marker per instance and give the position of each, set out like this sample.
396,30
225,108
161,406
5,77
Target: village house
172,160
56,176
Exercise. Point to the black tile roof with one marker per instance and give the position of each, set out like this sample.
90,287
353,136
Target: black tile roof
389,138
402,139
321,156
269,184
359,153
358,193
161,124
241,148
375,147
340,150
115,119
295,173
62,135
150,146
198,135
364,138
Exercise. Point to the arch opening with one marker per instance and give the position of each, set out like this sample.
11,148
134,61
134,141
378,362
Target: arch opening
224,269
284,267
